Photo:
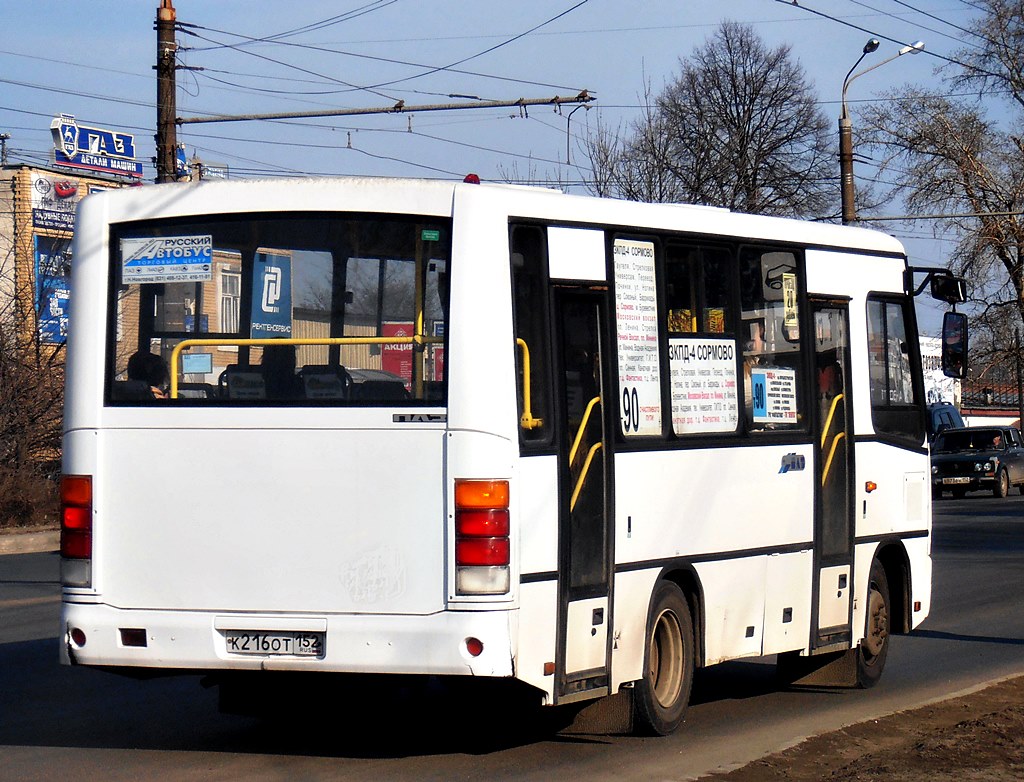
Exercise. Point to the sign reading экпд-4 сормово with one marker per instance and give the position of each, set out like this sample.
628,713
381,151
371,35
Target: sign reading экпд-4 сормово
167,259
93,149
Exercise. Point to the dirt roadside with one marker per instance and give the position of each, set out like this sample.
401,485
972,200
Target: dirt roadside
974,738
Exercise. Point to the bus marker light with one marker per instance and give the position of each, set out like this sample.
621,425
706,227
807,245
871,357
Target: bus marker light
917,605
77,637
474,646
870,486
549,669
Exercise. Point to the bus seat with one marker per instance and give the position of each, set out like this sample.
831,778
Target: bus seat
130,390
242,382
322,381
196,391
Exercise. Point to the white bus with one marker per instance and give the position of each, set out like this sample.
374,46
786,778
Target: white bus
436,428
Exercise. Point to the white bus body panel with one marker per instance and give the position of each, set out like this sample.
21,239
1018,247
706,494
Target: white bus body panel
364,535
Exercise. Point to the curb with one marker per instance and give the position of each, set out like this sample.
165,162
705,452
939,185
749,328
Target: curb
29,542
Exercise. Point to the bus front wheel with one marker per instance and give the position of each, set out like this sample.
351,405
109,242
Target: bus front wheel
661,696
874,647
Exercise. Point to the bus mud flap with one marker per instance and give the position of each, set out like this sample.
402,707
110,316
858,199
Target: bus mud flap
612,714
833,669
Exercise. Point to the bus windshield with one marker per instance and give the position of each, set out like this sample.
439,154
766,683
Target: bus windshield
256,309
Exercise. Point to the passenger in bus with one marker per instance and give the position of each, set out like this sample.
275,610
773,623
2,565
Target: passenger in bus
150,369
279,376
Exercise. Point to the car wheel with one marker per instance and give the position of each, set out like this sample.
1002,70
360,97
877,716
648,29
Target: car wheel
1002,487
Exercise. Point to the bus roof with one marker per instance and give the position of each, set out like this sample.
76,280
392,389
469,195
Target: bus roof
436,198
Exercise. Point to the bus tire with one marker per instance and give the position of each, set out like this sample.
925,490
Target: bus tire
874,647
661,696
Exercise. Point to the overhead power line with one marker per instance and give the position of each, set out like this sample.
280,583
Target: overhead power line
398,108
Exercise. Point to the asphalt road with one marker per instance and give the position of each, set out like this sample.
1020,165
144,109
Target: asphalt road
60,722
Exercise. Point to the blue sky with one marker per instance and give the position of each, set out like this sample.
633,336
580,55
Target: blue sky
94,60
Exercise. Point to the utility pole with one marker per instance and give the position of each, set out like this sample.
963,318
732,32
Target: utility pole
166,60
4,138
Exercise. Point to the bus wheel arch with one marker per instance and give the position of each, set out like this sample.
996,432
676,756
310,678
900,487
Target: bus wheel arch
892,557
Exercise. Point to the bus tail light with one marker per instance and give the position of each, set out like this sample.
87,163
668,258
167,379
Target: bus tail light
76,529
482,545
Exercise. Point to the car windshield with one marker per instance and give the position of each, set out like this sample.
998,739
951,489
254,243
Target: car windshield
970,440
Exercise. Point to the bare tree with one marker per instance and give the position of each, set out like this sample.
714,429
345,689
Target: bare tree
31,407
739,127
948,156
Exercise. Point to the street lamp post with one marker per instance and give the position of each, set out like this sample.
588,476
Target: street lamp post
846,127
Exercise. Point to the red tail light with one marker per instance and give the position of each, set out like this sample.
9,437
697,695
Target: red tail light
76,516
481,551
482,546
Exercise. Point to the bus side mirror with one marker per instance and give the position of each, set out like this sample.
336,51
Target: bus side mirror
950,289
954,344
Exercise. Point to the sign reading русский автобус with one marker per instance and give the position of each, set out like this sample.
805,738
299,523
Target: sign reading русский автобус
93,149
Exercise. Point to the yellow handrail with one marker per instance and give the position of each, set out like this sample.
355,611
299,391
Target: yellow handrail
832,452
828,418
583,426
191,343
583,475
526,420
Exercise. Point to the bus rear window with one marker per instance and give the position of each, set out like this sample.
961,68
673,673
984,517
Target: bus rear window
265,309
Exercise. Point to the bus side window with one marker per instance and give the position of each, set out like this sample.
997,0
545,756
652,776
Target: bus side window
530,311
770,337
895,408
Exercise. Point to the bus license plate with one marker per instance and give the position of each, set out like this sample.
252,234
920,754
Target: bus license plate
261,643
956,480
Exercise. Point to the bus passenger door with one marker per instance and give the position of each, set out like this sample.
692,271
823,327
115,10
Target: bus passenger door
583,660
834,500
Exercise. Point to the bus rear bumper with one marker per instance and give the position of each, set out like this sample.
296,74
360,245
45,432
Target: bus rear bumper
194,641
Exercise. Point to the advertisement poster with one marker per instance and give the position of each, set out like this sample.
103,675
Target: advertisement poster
167,259
395,358
53,287
53,202
271,297
636,328
704,394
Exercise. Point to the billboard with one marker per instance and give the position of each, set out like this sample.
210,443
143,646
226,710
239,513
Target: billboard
53,202
53,287
93,149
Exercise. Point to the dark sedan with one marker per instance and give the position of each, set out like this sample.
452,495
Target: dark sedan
976,458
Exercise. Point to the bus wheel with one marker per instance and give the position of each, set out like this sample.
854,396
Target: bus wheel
874,647
660,698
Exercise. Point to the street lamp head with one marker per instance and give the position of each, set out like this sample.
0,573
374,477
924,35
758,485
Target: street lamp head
913,48
872,46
